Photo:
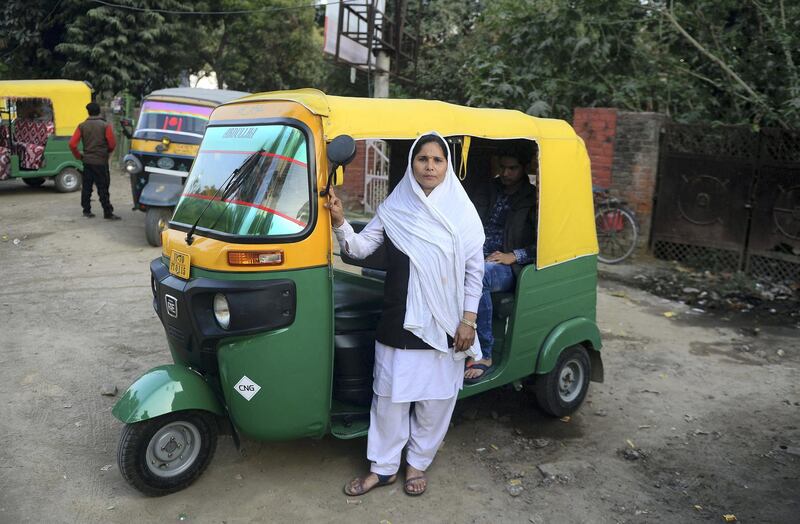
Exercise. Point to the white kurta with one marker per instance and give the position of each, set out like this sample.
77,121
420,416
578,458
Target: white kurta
428,377
408,375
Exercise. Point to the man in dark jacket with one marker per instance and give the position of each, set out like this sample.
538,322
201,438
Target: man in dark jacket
98,142
507,208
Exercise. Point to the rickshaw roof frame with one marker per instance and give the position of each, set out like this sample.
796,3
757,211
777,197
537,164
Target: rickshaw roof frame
69,99
566,208
209,97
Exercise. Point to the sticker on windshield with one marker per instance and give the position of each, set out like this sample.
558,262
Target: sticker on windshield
240,132
247,388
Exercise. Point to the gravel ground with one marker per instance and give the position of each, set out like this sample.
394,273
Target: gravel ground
699,416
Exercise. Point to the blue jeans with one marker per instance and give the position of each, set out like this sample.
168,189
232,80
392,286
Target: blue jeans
496,277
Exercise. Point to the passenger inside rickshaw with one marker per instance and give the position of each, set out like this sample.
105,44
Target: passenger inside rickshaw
358,284
31,128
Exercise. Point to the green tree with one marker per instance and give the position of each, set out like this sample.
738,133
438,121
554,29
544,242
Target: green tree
277,48
29,33
709,60
137,49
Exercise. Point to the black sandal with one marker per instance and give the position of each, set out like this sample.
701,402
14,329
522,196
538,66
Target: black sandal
406,486
355,487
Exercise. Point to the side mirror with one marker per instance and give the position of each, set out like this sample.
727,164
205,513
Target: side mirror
341,152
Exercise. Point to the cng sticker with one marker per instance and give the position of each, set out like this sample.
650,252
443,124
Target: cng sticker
247,388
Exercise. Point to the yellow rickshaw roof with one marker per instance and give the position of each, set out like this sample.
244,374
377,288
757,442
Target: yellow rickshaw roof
69,98
393,118
566,209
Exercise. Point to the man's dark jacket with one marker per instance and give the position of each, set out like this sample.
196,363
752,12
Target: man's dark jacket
95,143
520,228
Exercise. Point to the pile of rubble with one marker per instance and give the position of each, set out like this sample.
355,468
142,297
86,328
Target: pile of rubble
726,293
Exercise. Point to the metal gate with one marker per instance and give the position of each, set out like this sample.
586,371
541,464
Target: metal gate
376,178
728,199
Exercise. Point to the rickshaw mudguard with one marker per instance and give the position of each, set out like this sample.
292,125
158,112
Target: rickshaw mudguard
166,389
572,332
162,190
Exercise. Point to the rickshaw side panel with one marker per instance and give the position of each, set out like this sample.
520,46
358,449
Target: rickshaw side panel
292,366
544,299
165,389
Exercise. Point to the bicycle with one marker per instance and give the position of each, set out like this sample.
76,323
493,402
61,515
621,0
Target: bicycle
617,227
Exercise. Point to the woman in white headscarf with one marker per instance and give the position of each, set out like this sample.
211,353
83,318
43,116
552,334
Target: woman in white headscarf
434,241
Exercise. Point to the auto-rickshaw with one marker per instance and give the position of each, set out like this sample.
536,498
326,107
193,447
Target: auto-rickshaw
163,147
37,119
271,340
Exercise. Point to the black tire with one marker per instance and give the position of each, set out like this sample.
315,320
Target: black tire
68,180
618,242
34,182
553,395
156,477
156,221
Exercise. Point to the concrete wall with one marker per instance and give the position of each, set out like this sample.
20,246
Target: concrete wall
624,148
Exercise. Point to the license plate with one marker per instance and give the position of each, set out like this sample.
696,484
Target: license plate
179,264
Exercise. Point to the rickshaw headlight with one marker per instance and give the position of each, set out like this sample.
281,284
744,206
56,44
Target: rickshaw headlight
153,285
132,164
221,311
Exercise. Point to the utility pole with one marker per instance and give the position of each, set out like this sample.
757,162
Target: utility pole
382,64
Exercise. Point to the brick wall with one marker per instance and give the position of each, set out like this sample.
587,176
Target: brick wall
597,127
623,149
635,165
352,191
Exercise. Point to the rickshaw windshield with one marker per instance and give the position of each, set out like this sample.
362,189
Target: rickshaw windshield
183,123
270,195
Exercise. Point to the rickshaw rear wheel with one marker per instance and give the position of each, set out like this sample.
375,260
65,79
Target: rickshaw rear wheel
34,182
166,454
561,392
156,221
68,180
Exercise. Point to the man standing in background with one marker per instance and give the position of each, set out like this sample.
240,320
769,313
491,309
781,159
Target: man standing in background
98,142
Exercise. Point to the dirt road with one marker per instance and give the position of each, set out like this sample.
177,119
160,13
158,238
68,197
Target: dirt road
697,418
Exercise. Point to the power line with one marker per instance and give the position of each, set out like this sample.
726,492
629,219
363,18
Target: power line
241,12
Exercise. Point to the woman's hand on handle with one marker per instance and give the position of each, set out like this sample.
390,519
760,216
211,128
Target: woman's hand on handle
334,205
465,335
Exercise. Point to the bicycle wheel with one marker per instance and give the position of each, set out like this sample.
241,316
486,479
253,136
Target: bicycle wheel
617,233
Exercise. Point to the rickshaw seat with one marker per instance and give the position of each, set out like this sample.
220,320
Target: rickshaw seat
502,305
5,153
5,163
30,139
356,307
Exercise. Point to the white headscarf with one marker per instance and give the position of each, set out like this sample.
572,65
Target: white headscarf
438,233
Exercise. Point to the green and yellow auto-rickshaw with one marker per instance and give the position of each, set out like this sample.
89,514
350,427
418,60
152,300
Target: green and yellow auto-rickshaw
37,119
163,146
271,340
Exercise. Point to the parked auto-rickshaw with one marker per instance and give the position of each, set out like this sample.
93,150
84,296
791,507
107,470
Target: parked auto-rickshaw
163,147
269,340
37,119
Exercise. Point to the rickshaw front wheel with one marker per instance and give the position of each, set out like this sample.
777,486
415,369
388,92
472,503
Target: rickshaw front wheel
156,221
561,392
166,454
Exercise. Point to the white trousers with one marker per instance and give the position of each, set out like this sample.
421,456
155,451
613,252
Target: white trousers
392,427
